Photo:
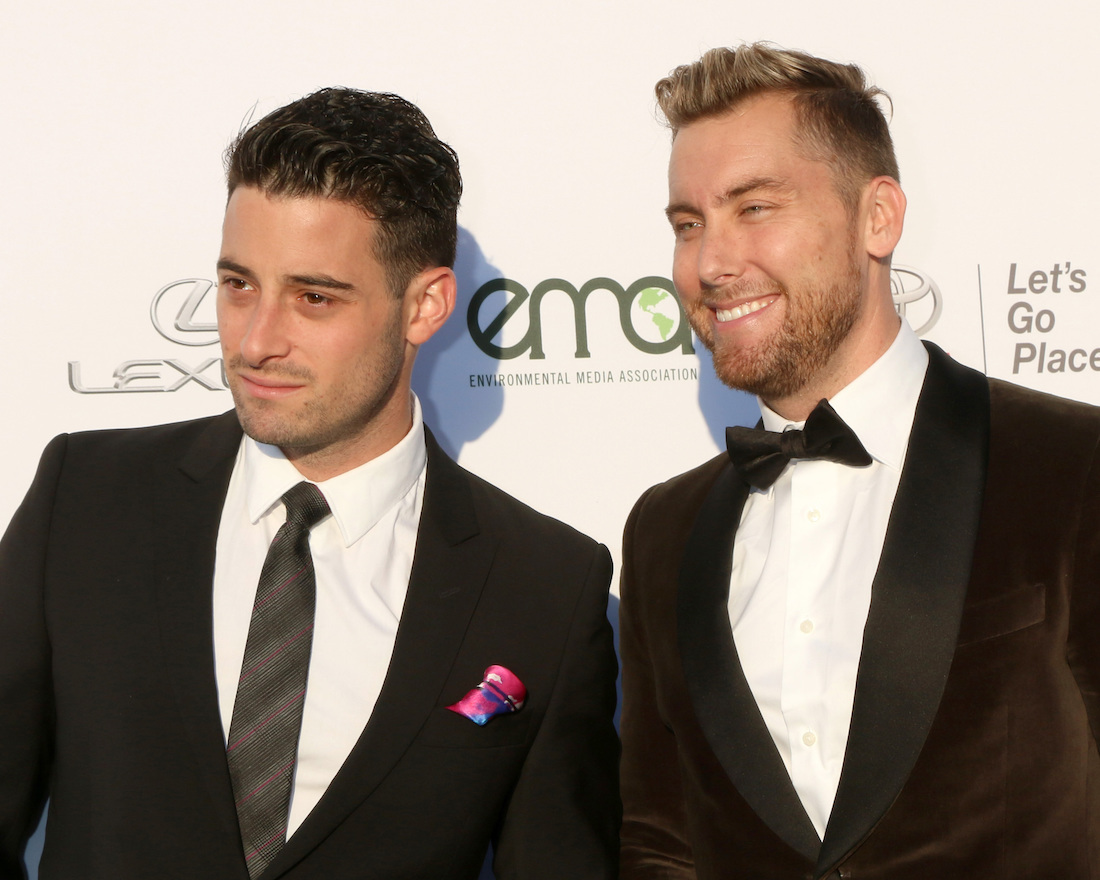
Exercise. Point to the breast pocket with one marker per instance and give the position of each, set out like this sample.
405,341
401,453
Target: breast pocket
449,730
1003,615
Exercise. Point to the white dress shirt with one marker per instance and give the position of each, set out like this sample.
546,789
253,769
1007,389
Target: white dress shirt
805,556
362,557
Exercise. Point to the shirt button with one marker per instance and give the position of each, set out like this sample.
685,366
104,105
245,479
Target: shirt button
813,515
807,626
809,738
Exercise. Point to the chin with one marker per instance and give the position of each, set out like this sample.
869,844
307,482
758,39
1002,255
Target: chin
270,430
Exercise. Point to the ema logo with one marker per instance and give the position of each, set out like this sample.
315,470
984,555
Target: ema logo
911,288
650,315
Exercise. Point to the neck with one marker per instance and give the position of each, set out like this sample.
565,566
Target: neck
384,430
855,355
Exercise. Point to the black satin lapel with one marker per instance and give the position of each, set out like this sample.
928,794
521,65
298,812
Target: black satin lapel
723,701
450,566
185,520
916,600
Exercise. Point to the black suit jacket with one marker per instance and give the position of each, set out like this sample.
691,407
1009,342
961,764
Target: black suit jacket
971,754
108,703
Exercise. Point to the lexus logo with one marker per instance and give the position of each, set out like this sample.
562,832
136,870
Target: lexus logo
178,310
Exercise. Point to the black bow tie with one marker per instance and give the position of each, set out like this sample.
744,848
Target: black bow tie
760,456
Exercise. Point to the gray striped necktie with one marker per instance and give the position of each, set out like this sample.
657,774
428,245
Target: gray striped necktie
267,712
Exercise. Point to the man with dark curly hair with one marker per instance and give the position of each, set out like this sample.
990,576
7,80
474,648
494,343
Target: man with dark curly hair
297,640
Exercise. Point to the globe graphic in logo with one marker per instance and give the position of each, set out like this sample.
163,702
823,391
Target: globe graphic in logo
655,314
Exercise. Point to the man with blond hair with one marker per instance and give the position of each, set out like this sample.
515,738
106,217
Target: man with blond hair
860,644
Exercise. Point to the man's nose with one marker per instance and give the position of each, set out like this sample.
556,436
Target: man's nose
266,335
722,255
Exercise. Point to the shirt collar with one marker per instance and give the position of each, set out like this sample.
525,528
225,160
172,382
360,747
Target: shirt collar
880,403
358,498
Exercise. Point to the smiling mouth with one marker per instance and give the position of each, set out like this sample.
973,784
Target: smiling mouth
724,315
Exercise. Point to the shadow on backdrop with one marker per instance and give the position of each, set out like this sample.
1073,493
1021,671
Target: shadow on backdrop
613,616
451,355
720,404
33,852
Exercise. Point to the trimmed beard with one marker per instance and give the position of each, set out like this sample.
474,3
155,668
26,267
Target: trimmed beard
816,323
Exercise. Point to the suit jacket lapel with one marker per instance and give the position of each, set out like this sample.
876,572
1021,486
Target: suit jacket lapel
724,703
451,563
917,600
185,531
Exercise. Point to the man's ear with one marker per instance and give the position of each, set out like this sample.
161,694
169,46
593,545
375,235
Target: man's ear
885,206
430,299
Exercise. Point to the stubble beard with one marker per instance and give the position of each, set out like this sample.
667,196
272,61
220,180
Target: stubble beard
320,424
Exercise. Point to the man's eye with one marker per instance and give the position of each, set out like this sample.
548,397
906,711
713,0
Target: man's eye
315,299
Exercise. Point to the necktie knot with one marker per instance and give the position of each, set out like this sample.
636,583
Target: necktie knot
760,456
305,505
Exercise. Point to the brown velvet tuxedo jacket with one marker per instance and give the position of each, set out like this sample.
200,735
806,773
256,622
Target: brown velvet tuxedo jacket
973,744
108,702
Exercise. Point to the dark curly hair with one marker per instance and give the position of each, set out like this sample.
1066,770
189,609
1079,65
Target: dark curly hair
372,150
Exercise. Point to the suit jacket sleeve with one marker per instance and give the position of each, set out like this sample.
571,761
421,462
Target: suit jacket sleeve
562,819
26,704
654,836
1083,651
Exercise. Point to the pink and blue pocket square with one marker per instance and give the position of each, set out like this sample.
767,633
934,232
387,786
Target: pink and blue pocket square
500,692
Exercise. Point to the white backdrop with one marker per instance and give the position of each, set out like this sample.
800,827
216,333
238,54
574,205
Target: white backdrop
115,115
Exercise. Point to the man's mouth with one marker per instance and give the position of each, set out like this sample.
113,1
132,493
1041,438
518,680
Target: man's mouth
739,311
269,387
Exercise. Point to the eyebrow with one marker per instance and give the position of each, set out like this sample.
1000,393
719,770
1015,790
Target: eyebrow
730,195
225,265
326,281
318,280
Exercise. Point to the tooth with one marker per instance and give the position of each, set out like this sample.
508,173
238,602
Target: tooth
738,311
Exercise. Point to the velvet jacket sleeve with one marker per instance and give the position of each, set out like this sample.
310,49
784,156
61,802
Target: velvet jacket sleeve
655,842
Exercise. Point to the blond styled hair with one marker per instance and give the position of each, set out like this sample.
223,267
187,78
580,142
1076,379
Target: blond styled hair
838,114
